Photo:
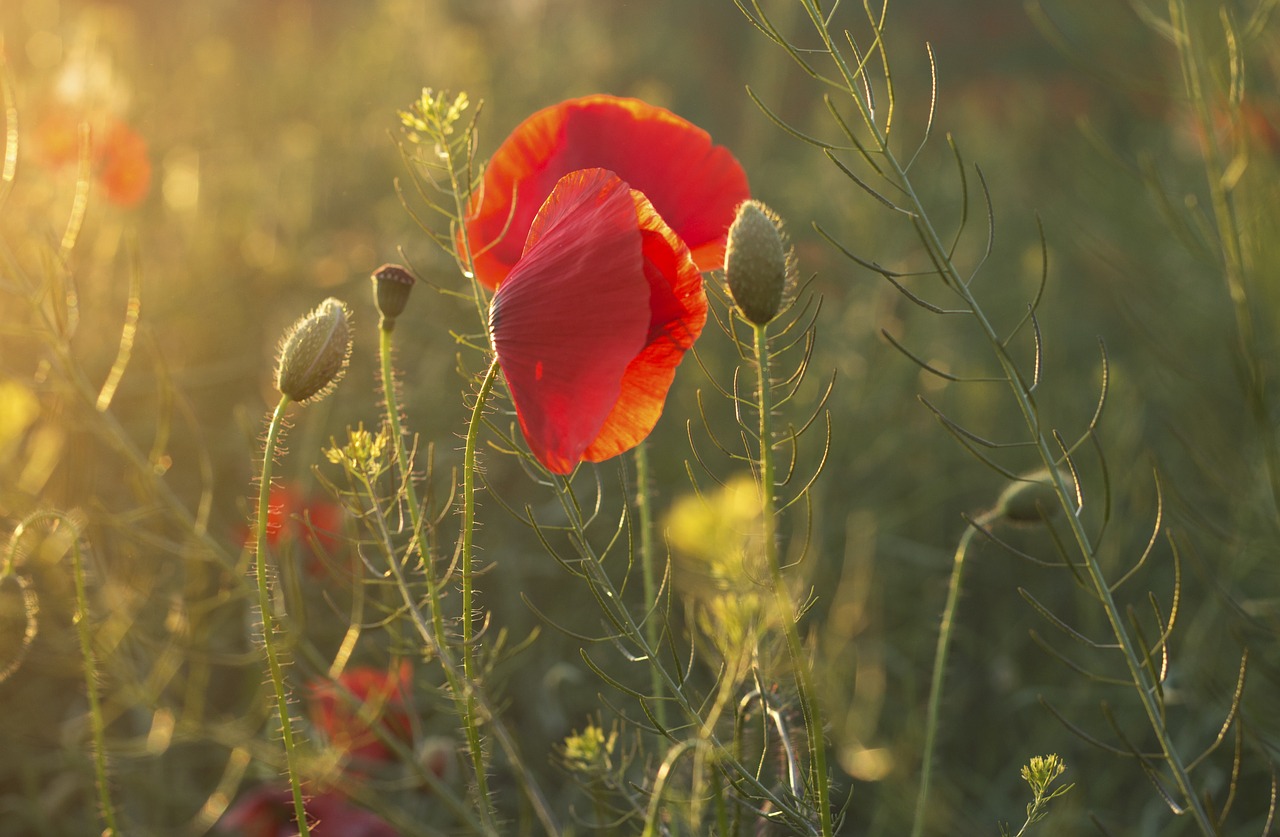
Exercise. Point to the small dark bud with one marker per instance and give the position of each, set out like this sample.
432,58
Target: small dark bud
391,287
314,352
757,262
1031,499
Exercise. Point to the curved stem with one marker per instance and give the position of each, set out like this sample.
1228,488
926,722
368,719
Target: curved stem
940,671
644,511
786,607
467,558
268,618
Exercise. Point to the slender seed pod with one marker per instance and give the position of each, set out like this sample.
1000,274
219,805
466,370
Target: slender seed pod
391,286
758,263
314,353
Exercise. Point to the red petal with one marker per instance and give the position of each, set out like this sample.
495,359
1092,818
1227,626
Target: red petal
678,311
572,315
693,184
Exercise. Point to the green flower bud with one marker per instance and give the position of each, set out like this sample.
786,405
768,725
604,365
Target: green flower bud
1031,499
391,287
757,262
314,352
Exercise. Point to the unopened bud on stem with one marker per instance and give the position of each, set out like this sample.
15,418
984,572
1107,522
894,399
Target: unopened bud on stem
391,287
314,352
757,262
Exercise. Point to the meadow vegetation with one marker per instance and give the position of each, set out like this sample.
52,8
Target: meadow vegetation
378,459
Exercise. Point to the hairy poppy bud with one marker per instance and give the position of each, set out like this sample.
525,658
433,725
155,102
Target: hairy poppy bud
314,352
1030,500
757,262
391,287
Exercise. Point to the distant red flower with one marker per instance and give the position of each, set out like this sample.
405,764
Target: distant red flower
267,811
293,516
694,185
592,321
338,715
118,157
124,169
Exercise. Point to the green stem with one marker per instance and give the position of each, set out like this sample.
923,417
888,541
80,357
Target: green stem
407,486
460,683
467,559
940,672
786,607
644,511
268,618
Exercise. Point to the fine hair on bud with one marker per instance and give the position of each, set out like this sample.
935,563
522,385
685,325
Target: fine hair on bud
758,263
1032,499
391,286
314,352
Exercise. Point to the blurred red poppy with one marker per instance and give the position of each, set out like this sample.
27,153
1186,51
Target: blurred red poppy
694,185
292,516
124,169
594,318
372,690
267,811
118,155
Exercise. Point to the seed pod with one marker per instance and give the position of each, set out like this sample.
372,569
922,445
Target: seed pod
391,287
757,262
314,352
1031,499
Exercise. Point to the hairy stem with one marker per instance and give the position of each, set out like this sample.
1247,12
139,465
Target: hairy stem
787,615
274,665
467,559
459,681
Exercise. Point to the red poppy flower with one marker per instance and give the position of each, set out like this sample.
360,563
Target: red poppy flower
694,185
375,690
592,321
268,812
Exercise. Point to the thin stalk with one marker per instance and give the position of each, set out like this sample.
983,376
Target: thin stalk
97,721
929,237
644,511
460,683
468,536
940,671
786,607
406,483
268,618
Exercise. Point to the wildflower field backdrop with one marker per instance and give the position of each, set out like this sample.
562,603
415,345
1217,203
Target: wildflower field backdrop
683,417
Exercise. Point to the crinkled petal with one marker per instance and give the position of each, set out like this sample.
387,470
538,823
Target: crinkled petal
572,315
694,185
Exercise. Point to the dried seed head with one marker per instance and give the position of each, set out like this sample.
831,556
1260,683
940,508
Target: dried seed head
314,352
391,287
1032,499
757,262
